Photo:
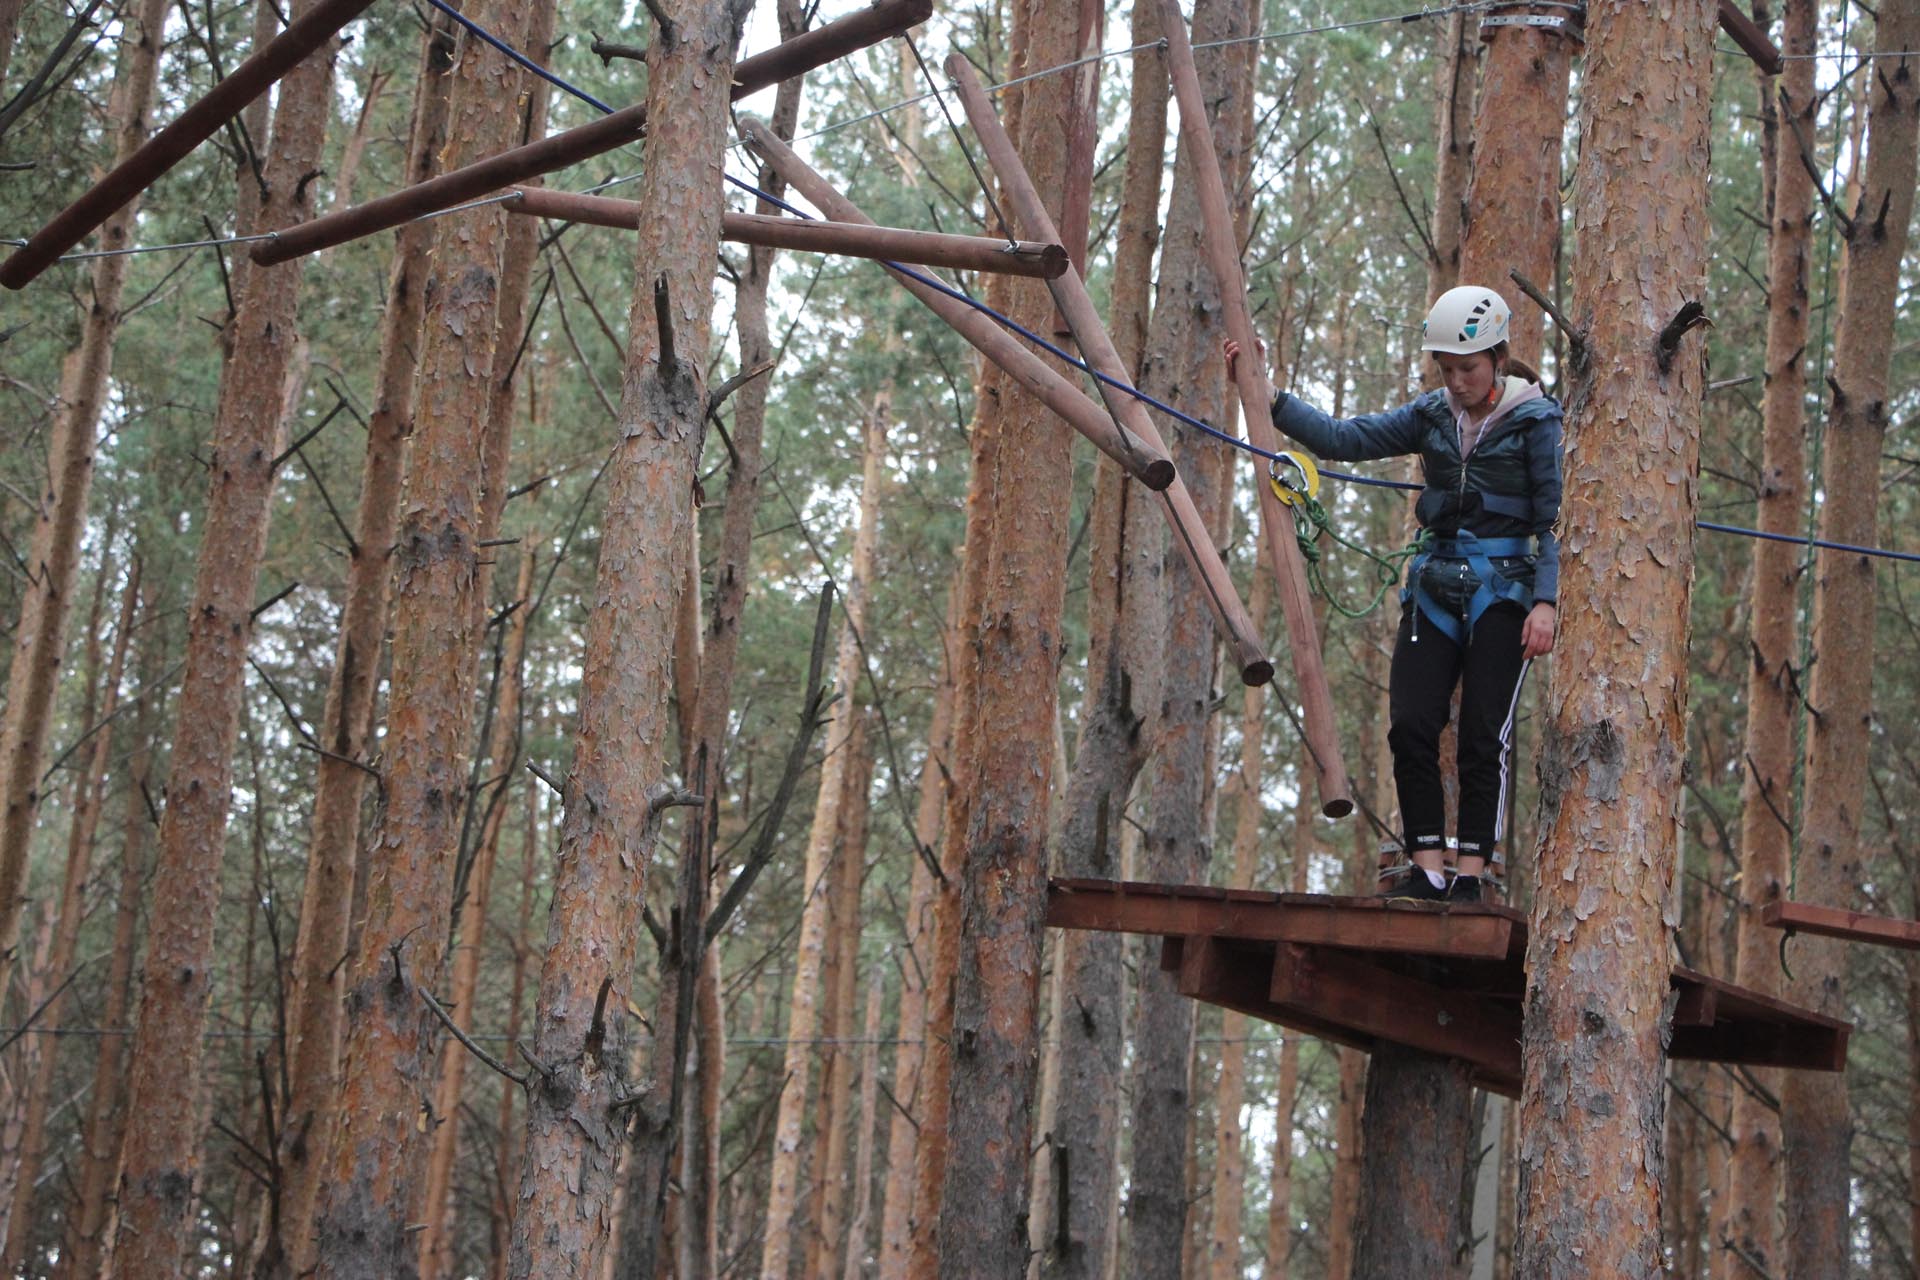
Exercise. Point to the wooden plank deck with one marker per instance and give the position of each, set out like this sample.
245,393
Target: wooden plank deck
1446,980
1837,922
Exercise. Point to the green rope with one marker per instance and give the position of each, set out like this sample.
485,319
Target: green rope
1315,523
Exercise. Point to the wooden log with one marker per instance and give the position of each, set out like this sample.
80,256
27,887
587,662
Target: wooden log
170,145
1141,459
1748,34
898,244
786,60
1096,347
1837,922
1223,252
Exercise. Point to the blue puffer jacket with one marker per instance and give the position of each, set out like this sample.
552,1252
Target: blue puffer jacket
1508,487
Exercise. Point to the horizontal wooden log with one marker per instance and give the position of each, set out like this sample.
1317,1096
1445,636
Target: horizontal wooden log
1837,922
1096,347
1140,458
171,144
897,244
1747,33
484,177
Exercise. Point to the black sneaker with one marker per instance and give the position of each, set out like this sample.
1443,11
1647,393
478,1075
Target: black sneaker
1416,886
1464,889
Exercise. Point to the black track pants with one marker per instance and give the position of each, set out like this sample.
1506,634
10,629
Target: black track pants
1489,671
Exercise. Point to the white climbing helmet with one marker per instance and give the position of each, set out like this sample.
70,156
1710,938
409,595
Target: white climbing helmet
1465,320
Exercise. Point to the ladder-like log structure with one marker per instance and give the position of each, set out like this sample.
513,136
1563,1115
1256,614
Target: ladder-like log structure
897,244
1256,394
1838,922
482,178
1447,980
1096,347
146,166
1142,459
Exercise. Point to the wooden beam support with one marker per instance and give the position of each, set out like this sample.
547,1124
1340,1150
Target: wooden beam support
1096,347
1141,459
925,248
1366,924
172,144
1747,33
1385,1005
1837,922
1256,394
788,59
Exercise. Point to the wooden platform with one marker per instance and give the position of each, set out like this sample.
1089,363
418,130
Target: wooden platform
1837,922
1446,980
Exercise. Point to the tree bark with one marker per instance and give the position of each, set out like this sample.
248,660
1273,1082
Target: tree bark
1815,1124
1405,1220
861,1215
436,1211
915,968
803,1007
377,1152
511,1143
616,787
1615,739
1229,1145
162,1158
1182,364
1453,153
1126,620
54,556
346,723
1749,1216
89,794
995,1021
1519,121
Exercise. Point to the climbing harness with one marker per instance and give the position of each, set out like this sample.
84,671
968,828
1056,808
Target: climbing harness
1490,585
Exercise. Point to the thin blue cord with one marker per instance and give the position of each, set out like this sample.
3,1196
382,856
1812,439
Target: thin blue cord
1008,322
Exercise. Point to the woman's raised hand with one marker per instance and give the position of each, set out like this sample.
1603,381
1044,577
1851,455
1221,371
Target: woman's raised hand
1232,349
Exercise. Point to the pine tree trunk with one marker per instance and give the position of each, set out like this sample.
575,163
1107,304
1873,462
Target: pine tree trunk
1749,1216
10,11
995,1019
617,787
86,1226
1230,1161
803,1007
89,794
54,556
840,984
1405,1223
1615,739
356,145
1126,610
1453,151
1815,1124
1182,363
862,1212
436,1212
377,1153
162,1158
346,724
915,967
511,1141
1518,123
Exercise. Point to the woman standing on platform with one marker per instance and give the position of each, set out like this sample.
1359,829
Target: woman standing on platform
1478,605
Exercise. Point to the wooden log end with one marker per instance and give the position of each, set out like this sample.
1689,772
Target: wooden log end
1158,475
17,272
1339,806
1053,264
1256,673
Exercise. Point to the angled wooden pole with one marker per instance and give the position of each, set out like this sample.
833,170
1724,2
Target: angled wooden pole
165,149
1141,459
1750,36
1256,394
1096,346
898,244
788,59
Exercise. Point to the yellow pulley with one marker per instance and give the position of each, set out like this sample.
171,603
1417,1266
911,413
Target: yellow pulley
1293,477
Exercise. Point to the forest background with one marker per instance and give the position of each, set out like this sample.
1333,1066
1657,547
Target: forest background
1342,169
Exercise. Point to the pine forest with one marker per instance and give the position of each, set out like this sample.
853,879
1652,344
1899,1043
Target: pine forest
960,638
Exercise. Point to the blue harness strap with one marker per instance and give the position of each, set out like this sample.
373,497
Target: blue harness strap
1490,587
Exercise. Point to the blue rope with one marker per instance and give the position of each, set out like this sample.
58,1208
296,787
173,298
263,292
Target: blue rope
1066,357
